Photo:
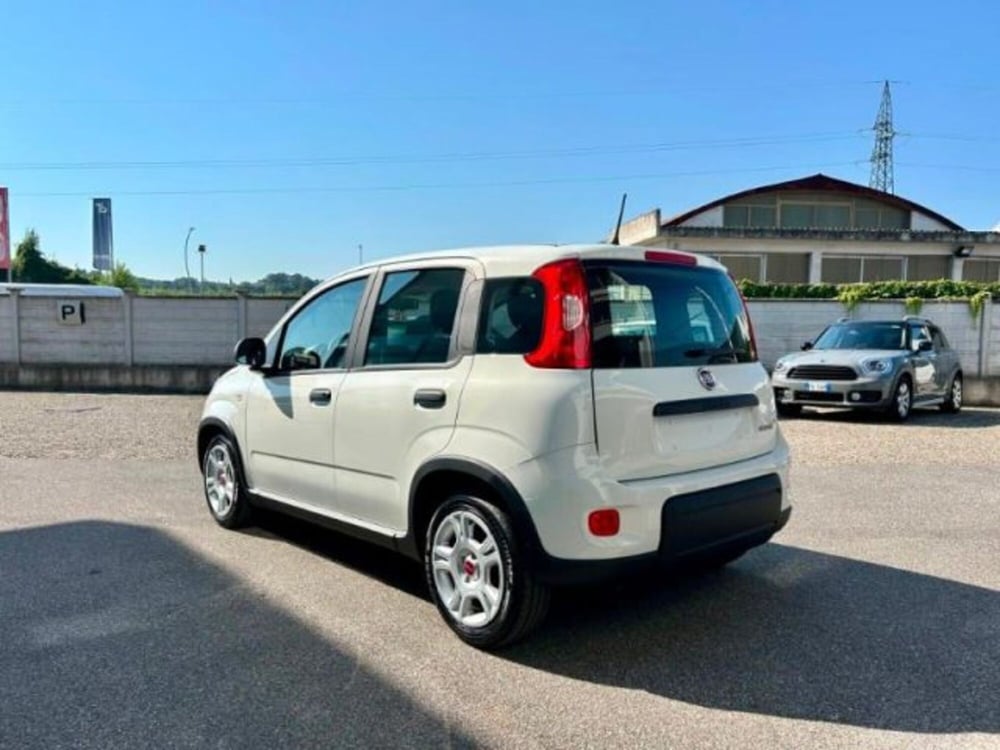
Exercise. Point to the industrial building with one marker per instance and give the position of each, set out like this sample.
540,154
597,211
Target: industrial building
822,229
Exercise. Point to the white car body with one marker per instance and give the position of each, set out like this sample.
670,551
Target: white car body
553,445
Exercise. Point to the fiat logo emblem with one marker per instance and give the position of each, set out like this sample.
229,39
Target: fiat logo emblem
706,378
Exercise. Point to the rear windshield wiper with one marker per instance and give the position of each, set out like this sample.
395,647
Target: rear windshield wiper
719,354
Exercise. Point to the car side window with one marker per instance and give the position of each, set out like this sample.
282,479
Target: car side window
317,337
511,316
918,334
414,319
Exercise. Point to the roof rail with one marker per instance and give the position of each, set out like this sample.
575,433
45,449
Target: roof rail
919,318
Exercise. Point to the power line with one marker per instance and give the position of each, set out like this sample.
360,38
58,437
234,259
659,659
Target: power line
319,161
431,186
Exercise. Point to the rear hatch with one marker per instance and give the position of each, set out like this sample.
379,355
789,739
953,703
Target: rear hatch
677,384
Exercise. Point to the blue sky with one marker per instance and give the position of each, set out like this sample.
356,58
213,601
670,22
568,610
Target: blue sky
290,132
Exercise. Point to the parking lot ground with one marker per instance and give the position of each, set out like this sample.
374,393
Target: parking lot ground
129,619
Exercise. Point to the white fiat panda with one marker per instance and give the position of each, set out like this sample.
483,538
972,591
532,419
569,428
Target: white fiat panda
514,418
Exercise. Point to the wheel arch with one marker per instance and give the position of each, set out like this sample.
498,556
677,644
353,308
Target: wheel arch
439,478
208,429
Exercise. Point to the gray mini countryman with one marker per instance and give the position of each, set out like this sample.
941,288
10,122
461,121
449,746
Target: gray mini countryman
890,366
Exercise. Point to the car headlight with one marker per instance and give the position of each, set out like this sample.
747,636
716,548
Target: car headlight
876,366
780,365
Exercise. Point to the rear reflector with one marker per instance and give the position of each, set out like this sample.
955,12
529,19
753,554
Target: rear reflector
604,522
679,259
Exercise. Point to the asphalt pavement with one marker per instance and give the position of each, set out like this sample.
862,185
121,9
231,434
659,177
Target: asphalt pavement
129,619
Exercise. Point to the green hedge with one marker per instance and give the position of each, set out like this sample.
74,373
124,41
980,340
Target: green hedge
895,290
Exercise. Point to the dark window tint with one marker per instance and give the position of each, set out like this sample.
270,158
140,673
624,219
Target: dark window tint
511,317
415,317
653,315
917,335
317,337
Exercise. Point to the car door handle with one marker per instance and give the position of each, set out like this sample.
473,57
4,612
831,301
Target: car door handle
430,398
320,396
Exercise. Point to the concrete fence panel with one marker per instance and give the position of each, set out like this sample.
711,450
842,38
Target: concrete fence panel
98,338
184,331
8,350
262,314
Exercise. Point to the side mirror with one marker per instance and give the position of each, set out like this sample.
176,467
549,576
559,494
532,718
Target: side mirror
925,346
807,346
252,352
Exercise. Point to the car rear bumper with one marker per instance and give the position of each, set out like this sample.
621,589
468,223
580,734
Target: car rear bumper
663,519
563,572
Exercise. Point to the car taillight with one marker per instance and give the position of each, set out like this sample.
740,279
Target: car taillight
565,340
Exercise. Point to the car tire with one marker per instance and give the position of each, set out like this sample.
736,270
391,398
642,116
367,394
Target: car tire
901,405
953,401
478,575
789,410
225,490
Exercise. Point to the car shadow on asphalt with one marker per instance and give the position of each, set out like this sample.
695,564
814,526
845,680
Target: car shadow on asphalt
968,418
791,633
381,564
114,635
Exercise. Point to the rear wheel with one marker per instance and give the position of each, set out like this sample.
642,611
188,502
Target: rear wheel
479,578
901,405
953,401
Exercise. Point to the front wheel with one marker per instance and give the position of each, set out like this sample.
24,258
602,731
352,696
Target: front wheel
223,483
479,578
953,401
901,405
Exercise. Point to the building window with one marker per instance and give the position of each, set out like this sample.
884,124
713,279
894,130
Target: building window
787,268
742,266
979,269
928,267
813,211
853,269
841,270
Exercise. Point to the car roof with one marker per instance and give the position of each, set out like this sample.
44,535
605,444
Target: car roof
512,260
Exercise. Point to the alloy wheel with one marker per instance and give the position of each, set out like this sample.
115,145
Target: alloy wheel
220,480
468,569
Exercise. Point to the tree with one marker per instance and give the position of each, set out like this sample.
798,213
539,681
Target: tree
121,277
30,265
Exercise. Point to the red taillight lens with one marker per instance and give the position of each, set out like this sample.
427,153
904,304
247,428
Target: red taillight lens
665,256
604,522
565,340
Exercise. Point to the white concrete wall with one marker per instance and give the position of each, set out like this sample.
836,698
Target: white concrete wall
262,314
203,331
6,329
993,340
782,326
923,223
44,340
710,218
174,330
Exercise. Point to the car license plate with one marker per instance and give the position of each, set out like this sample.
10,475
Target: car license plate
819,387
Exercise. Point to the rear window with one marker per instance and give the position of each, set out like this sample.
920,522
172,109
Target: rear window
652,315
511,316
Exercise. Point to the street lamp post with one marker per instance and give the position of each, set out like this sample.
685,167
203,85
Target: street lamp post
187,271
201,252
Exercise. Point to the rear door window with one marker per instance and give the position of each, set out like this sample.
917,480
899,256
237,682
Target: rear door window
415,316
511,316
653,315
